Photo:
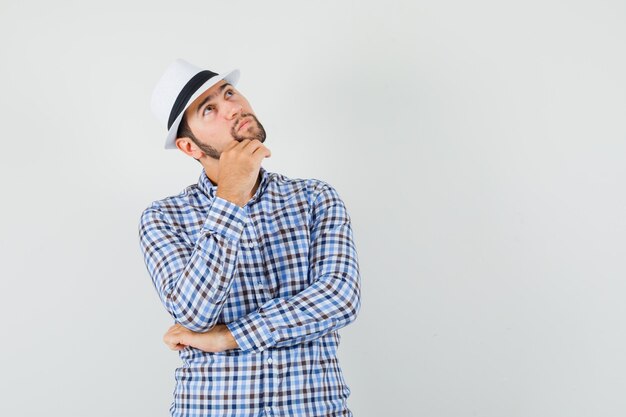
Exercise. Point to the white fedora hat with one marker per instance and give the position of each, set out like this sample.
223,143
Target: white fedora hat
179,86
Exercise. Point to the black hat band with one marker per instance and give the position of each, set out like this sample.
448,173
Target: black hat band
188,90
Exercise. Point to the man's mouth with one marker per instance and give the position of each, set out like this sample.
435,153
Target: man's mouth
245,122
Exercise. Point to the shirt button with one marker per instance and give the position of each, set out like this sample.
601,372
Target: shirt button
270,361
268,410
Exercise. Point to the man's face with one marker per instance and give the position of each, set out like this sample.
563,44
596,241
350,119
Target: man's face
220,115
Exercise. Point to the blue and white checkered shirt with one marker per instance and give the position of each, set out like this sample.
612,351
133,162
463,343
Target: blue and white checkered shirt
281,272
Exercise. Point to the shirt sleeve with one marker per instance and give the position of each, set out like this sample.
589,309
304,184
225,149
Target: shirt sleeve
330,303
193,279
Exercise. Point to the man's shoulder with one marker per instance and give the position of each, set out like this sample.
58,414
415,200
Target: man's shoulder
173,204
289,186
319,193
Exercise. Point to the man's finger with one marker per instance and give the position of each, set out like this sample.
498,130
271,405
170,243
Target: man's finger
254,146
261,153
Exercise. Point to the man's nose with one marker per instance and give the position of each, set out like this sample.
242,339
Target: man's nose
237,108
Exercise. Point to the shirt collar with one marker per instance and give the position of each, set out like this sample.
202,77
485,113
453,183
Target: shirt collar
208,188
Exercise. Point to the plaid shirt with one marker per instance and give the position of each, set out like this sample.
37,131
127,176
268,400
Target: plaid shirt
281,272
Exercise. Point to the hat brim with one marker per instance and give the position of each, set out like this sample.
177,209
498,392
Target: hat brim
231,76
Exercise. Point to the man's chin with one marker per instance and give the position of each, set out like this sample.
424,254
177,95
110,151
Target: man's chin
253,131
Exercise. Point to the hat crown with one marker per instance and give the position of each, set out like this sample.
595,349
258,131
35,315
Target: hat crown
177,74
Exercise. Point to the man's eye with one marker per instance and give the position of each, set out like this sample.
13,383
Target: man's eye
210,106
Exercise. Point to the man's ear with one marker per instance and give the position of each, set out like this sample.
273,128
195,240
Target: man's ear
188,147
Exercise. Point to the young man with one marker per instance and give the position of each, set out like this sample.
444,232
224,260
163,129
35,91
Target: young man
258,271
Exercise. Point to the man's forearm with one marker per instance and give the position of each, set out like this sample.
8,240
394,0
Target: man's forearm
229,341
218,339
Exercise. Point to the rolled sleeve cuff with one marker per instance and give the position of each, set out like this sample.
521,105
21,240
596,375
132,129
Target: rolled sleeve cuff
226,218
251,332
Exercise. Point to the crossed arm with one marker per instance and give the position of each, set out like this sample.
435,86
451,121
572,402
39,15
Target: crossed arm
218,339
193,280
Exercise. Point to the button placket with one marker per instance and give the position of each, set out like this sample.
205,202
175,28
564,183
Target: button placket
271,381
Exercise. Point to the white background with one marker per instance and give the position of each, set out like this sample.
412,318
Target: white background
479,148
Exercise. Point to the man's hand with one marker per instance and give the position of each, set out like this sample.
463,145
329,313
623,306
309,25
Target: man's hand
239,167
218,339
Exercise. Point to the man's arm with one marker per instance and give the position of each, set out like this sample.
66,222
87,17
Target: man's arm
193,279
330,303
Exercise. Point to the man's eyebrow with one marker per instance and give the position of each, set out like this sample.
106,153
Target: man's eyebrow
210,97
